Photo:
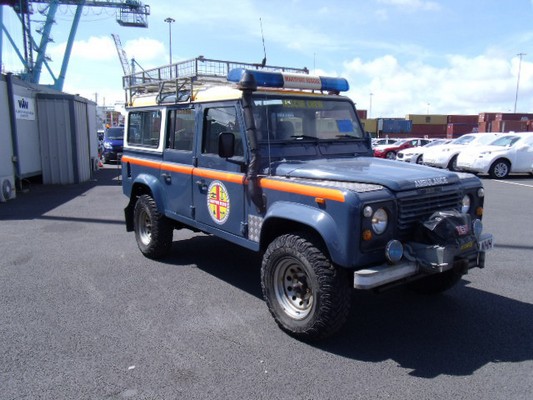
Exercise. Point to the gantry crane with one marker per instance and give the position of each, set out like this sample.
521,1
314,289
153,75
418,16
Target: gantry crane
131,13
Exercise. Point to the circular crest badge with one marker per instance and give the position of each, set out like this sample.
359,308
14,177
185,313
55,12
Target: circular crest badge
218,202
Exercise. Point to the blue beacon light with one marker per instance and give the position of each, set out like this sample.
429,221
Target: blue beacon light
291,80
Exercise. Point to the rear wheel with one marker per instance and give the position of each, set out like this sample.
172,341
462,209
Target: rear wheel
306,294
153,231
500,169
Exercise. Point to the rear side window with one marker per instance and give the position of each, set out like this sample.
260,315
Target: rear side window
144,128
181,129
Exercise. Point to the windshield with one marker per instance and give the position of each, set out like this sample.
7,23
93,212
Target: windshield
505,141
436,142
285,119
464,139
115,133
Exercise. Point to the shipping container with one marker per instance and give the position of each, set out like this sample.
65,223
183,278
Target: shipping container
429,119
486,117
393,125
430,131
362,114
455,130
513,117
370,125
463,119
517,126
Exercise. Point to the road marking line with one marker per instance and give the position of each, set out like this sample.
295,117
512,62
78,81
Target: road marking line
513,183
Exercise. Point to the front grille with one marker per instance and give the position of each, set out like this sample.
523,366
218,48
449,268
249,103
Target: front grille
419,205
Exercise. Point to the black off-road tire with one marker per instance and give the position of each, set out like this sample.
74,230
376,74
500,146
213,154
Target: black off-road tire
438,283
500,169
452,165
153,231
307,295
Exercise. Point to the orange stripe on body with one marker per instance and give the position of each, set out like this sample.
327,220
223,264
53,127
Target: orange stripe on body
142,162
305,190
221,176
266,183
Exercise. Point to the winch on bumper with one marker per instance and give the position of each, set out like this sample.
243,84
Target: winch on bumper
447,240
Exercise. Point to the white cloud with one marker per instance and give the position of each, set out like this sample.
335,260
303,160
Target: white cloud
146,50
461,86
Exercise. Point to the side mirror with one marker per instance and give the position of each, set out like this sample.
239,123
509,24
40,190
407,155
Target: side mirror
226,145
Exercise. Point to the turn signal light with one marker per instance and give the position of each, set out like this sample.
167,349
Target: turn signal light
367,235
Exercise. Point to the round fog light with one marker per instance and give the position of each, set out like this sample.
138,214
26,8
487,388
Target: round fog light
394,251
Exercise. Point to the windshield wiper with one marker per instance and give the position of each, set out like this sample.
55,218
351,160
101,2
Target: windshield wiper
346,137
301,137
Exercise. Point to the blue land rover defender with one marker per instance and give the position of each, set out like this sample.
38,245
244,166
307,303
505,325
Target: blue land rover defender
276,160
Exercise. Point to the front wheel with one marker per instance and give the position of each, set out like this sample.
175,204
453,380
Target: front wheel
500,169
391,155
153,231
306,294
452,165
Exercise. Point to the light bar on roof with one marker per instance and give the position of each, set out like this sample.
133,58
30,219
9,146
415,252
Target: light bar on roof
291,80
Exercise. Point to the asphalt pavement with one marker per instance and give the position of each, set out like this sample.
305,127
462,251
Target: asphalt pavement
83,315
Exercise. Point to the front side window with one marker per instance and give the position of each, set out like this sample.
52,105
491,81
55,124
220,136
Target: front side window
293,118
144,128
216,121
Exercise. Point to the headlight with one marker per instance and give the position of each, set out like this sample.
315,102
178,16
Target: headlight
380,220
465,204
108,145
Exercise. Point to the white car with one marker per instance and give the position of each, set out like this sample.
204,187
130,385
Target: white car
509,153
415,154
446,156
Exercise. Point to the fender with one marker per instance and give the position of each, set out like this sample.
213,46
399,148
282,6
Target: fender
155,187
315,219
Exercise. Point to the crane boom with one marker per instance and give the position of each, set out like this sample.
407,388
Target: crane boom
130,13
122,55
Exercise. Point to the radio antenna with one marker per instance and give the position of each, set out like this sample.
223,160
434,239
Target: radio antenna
263,63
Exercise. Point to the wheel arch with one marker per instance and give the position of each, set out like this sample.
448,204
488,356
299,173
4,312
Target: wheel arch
286,217
143,184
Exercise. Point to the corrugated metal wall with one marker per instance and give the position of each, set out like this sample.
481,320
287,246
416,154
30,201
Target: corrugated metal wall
65,138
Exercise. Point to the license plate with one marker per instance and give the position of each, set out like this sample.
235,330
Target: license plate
485,243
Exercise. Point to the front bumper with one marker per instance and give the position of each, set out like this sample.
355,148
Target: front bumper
437,160
420,260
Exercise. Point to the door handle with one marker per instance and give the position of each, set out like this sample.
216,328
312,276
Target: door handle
166,177
202,185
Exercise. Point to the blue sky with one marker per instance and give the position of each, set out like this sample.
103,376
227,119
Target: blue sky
401,56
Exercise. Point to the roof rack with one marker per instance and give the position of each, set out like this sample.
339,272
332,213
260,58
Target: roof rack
180,78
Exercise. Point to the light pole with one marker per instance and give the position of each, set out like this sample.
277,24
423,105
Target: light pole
170,21
518,78
370,106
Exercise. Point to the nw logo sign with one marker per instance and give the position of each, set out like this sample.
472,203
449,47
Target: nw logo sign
24,108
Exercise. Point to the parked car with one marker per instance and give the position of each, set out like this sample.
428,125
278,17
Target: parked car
390,150
113,143
508,153
415,154
446,156
381,141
